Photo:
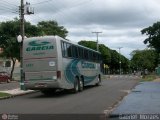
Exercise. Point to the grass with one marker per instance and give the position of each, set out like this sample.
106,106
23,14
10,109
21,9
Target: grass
148,78
2,95
104,77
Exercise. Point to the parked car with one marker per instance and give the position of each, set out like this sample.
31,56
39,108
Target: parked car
4,77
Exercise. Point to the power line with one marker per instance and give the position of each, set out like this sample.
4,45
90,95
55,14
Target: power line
8,10
8,7
46,1
8,3
61,10
5,11
2,6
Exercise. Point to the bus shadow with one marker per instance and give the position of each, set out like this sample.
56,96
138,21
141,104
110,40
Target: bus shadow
62,93
56,94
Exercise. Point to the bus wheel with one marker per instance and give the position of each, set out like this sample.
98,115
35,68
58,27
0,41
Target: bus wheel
98,81
80,85
76,85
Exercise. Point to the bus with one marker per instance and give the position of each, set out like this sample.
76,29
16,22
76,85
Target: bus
51,63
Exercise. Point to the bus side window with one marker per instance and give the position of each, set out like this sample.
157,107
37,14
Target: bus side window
69,50
64,49
94,56
74,51
86,54
97,57
90,55
80,53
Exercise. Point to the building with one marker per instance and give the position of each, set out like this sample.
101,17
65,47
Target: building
6,65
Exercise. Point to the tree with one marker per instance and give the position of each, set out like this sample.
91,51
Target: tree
153,33
144,59
52,28
8,40
10,50
106,54
114,65
11,29
8,31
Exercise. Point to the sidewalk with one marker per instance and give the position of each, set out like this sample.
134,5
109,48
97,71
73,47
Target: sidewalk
144,99
13,88
17,91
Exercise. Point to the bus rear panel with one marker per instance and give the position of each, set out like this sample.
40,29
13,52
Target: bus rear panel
40,63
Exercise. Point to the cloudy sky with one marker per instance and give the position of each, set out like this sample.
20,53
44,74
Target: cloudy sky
120,21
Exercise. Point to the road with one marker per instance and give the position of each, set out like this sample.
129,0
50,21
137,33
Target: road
93,100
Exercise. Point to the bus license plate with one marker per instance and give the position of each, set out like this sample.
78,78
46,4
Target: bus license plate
41,85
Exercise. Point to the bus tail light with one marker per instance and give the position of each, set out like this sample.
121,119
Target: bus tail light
58,74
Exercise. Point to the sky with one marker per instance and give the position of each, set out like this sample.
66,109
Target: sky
120,21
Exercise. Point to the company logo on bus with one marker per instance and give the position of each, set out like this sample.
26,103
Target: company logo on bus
39,45
87,65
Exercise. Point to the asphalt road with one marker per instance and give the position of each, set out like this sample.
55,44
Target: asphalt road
93,100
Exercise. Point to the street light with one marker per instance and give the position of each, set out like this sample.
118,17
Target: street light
20,40
120,60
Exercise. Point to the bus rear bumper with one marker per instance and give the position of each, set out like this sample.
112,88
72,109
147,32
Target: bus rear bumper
39,85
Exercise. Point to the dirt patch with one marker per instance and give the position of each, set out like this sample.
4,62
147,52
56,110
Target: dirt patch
156,80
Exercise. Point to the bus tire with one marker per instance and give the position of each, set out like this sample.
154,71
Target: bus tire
98,81
76,85
80,85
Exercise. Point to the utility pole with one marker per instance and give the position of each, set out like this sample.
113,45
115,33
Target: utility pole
24,10
120,60
22,19
21,44
97,39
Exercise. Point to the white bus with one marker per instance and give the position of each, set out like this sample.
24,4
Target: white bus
51,63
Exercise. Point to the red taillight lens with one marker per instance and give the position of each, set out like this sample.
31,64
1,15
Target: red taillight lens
58,74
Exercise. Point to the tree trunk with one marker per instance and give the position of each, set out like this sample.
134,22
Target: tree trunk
14,61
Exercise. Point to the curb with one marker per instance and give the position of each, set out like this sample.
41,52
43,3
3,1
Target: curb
1,98
18,94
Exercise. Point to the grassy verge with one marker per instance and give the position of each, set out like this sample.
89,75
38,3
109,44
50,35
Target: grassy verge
148,78
2,95
104,77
